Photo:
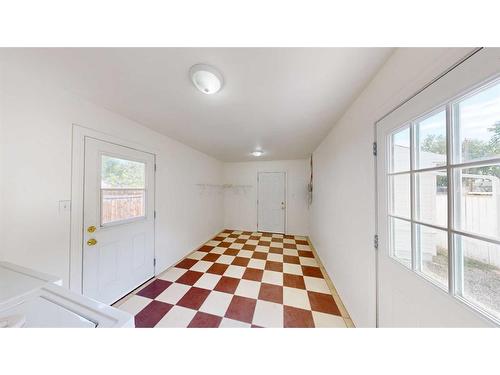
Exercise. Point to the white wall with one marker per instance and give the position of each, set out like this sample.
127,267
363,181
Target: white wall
35,171
240,204
343,210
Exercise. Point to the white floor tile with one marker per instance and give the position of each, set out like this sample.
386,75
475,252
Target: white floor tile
292,252
225,259
279,245
268,314
296,298
134,304
234,271
197,255
216,303
272,277
218,250
275,257
235,245
172,274
252,242
257,263
322,320
248,288
245,253
173,293
303,247
288,240
262,249
293,269
230,323
315,284
308,262
213,243
201,266
177,317
208,281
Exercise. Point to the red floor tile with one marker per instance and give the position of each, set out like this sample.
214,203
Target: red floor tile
275,250
259,255
189,278
194,298
323,303
289,246
306,254
240,240
301,242
206,249
264,243
227,285
253,274
249,247
224,244
151,314
186,263
271,293
204,320
254,237
291,259
312,271
274,266
211,257
232,252
239,261
297,318
241,308
154,289
293,281
217,268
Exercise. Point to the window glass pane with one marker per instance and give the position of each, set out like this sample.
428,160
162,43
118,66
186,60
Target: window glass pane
478,200
481,272
432,247
400,195
400,150
431,205
430,135
122,189
401,240
478,121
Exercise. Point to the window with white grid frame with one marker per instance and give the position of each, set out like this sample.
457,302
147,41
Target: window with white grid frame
443,179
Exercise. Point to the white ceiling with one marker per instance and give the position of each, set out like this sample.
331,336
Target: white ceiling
283,100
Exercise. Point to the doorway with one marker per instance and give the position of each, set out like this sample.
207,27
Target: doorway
118,219
271,202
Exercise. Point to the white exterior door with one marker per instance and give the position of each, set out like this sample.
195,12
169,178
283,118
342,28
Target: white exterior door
118,240
438,181
271,202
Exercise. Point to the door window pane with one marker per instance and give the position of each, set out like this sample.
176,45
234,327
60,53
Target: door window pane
477,122
431,203
432,247
478,200
400,195
123,190
401,240
430,135
400,150
481,272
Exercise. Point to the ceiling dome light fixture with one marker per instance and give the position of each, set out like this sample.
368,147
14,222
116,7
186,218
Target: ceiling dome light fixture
257,153
206,78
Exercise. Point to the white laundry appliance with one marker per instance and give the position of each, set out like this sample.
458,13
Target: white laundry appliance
32,299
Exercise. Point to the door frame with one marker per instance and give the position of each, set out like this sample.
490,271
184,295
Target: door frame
286,197
79,133
375,176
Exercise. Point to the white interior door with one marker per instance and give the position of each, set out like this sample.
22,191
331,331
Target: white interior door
438,184
118,241
271,202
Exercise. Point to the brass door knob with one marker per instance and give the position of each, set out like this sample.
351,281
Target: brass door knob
91,242
91,229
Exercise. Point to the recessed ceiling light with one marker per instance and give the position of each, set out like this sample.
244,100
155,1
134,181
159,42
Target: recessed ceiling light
206,78
257,153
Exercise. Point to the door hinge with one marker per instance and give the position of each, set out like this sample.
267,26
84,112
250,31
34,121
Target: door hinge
375,242
154,262
374,148
154,214
155,167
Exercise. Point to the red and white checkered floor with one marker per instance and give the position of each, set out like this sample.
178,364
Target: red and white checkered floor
239,279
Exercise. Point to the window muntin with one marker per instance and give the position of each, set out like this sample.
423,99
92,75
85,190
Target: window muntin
123,190
471,241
